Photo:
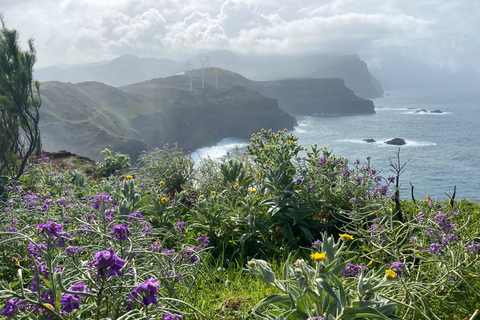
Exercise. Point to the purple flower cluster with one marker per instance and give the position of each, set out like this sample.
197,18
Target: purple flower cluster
171,316
53,231
107,263
203,240
103,200
10,306
317,245
146,291
474,247
179,227
120,232
70,302
352,270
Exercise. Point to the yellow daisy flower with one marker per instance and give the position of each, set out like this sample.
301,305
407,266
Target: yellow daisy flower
318,256
164,200
129,177
161,182
390,274
213,192
346,237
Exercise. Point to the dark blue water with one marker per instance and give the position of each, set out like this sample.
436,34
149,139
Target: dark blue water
442,150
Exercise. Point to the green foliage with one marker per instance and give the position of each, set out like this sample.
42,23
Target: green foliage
114,163
19,105
219,214
311,292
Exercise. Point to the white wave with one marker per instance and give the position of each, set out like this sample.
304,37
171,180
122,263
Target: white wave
220,149
428,113
381,142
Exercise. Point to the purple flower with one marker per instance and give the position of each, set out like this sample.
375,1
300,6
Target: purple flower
474,247
352,270
156,246
398,267
391,179
171,316
203,240
120,232
36,250
107,262
72,250
412,240
9,308
147,228
317,245
316,318
146,291
179,227
134,216
69,302
298,181
436,248
50,229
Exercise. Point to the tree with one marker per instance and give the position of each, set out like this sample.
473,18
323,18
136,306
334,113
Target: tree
19,104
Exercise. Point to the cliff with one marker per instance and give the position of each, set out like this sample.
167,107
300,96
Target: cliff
297,96
85,118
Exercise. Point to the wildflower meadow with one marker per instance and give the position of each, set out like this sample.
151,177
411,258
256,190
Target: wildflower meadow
275,231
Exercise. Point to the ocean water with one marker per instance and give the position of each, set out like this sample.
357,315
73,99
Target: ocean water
442,150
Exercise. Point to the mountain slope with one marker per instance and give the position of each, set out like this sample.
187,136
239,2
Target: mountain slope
85,118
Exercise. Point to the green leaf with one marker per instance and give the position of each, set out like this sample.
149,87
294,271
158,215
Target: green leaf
325,286
359,313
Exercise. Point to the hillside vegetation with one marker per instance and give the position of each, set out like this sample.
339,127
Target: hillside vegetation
88,117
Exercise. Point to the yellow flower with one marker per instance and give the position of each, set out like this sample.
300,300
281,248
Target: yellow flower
390,274
49,306
258,133
325,148
129,177
200,196
16,260
266,146
315,144
346,237
161,182
292,142
262,130
164,200
213,192
285,129
370,263
235,185
305,149
318,256
276,136
253,190
253,135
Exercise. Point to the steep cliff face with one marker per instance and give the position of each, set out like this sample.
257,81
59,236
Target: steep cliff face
356,75
315,96
86,118
203,121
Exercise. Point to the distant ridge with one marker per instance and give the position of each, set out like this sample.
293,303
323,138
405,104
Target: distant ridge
297,96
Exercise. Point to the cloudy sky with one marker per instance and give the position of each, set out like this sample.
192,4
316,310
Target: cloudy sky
442,33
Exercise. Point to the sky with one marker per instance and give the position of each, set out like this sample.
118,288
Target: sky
443,34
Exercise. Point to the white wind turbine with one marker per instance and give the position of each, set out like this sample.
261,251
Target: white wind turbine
203,70
190,72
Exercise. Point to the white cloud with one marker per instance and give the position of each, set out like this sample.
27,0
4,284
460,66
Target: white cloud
440,33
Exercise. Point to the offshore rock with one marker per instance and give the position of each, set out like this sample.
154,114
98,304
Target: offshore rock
396,142
369,140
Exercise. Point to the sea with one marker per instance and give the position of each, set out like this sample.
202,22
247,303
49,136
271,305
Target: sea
442,150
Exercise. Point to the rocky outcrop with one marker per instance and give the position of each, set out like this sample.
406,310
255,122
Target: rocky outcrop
369,140
436,111
396,142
